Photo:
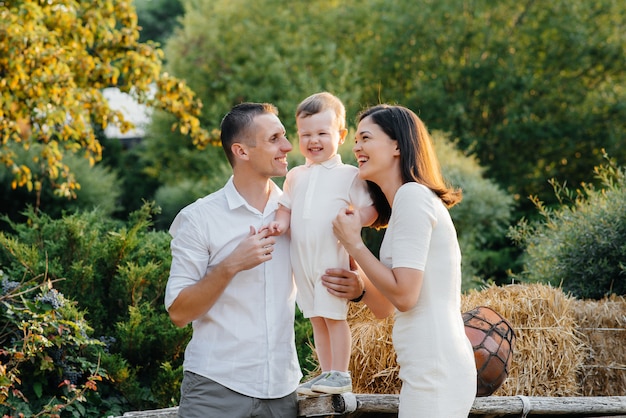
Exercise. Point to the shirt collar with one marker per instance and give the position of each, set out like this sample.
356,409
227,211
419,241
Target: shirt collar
235,200
233,197
330,163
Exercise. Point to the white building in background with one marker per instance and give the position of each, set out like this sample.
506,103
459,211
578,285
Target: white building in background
136,113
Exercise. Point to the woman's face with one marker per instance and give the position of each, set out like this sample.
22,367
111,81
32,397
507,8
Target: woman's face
376,153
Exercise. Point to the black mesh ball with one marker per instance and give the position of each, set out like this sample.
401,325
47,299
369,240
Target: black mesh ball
493,340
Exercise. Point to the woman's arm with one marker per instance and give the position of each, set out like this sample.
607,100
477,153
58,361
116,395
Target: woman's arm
400,286
368,215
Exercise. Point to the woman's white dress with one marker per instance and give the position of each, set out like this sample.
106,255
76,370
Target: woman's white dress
436,360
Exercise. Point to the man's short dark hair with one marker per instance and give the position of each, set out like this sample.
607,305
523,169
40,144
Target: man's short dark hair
235,126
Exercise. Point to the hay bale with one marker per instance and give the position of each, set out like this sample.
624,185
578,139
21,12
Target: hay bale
548,355
603,327
373,360
549,352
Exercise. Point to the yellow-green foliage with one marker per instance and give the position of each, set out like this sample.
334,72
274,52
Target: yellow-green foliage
55,58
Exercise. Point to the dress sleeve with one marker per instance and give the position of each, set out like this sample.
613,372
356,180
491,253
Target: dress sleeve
413,217
359,193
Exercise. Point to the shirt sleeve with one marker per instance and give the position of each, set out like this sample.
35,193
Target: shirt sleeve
413,217
190,256
285,198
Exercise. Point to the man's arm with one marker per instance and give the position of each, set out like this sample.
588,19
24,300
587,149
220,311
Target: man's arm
195,300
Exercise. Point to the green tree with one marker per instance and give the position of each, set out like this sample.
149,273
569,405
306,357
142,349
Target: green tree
157,18
135,186
100,187
55,58
233,51
534,90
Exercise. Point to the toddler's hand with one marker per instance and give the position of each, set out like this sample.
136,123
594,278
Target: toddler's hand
273,228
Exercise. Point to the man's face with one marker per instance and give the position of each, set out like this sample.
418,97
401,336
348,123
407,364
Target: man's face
269,155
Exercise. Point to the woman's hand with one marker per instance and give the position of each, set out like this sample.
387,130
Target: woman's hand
347,229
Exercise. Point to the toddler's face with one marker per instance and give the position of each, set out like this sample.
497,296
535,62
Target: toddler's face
319,136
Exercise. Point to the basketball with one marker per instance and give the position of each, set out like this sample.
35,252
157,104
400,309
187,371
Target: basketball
493,340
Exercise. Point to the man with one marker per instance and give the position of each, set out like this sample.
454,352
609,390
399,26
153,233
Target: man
235,283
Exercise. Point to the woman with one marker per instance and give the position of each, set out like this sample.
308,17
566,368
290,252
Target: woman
419,272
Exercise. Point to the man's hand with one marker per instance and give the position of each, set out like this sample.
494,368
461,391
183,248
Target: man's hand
343,283
255,249
197,299
349,284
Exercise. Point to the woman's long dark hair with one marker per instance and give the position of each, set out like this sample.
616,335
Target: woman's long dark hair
418,160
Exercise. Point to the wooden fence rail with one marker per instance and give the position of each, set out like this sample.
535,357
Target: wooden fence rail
362,406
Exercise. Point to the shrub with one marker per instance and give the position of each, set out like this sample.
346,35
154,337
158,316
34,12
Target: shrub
172,198
580,245
48,361
135,185
100,187
116,271
304,343
481,219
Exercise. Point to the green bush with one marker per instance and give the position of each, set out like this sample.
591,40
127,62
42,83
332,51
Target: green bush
49,364
136,185
100,187
481,219
172,198
304,344
116,271
581,245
